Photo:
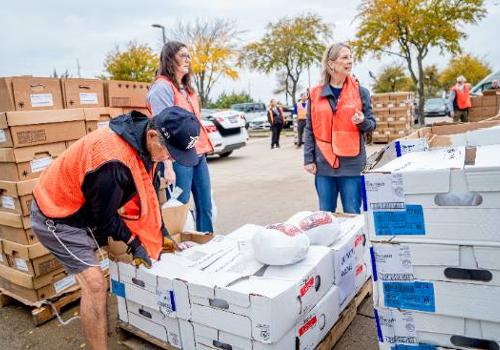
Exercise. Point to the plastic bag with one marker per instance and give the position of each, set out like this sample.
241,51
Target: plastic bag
273,247
321,227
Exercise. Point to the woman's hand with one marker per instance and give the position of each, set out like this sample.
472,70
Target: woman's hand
310,168
358,117
169,174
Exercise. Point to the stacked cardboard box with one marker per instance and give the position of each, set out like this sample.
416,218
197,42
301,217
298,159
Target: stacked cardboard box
485,106
217,295
433,217
393,114
34,130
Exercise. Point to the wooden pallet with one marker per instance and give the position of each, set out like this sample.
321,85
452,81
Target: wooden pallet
42,313
133,338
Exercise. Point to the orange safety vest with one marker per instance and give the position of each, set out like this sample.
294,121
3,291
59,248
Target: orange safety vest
58,193
190,103
463,97
335,133
301,111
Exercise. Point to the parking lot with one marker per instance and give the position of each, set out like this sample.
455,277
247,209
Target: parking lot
254,185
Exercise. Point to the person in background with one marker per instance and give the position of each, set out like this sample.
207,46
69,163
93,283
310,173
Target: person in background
301,112
172,87
276,118
494,85
340,112
459,100
105,185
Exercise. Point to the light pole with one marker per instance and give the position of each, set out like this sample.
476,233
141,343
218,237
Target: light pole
162,31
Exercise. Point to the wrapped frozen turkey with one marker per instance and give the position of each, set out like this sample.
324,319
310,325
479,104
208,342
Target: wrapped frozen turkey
297,217
280,244
321,227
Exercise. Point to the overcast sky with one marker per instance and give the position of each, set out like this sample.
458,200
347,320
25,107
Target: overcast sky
40,36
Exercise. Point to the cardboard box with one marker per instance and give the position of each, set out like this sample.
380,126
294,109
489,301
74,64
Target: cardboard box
18,235
19,164
79,93
120,93
144,111
29,93
437,195
381,113
14,220
96,118
33,259
409,328
174,218
41,127
472,264
307,333
489,101
35,289
5,138
476,101
16,197
3,258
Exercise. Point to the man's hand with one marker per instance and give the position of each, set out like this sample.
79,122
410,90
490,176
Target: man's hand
139,254
310,168
358,117
169,173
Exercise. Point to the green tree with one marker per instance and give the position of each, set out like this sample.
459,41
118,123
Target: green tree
410,28
289,46
472,68
392,78
213,50
226,100
137,62
432,86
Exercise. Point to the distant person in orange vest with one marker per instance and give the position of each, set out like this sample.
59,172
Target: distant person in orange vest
340,112
276,118
173,87
106,185
459,100
301,112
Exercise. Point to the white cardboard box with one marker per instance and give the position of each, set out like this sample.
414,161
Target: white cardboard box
265,305
434,196
443,262
412,328
305,334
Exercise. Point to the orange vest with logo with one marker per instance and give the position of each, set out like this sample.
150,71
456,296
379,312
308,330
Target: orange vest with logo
301,111
335,134
58,192
190,103
463,97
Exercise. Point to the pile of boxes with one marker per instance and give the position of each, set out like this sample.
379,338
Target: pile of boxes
432,204
216,295
39,119
485,106
394,115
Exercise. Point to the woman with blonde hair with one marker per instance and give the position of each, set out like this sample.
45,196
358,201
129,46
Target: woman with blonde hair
340,112
276,118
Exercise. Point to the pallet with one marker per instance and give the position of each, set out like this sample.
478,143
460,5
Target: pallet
346,318
133,338
41,313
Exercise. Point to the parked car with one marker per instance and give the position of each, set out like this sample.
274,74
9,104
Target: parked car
252,110
288,111
436,107
485,84
214,135
231,126
259,123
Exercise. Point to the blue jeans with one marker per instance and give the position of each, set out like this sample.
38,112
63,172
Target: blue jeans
197,180
328,188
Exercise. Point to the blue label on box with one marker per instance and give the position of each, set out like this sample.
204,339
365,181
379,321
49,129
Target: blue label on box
406,222
413,347
418,296
117,288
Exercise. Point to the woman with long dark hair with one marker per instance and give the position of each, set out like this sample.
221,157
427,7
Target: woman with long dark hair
172,87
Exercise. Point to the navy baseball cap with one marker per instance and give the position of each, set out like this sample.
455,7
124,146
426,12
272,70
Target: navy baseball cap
181,131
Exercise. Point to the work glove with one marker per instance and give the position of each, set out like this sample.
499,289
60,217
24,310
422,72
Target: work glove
139,254
169,246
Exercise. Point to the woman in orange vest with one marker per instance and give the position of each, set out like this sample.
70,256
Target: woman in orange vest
105,185
172,87
339,114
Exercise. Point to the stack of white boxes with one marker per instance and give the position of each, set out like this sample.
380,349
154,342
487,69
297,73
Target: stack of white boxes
216,295
433,218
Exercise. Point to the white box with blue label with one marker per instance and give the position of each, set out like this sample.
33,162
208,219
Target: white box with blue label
265,305
411,330
305,334
442,195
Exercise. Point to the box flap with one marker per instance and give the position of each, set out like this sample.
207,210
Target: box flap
19,118
26,187
27,154
3,120
25,251
96,114
7,155
11,219
434,254
487,257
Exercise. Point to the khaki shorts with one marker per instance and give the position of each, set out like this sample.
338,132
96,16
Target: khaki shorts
77,240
